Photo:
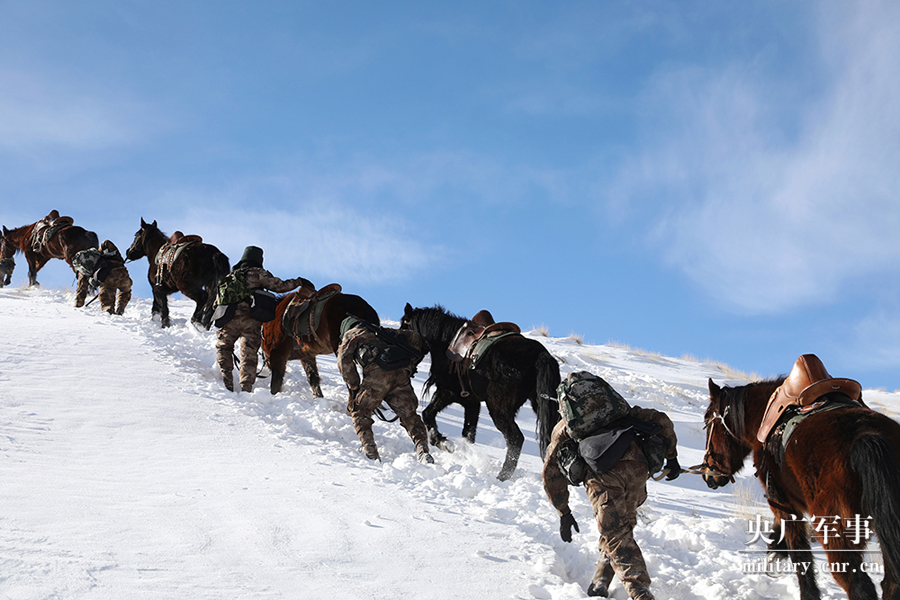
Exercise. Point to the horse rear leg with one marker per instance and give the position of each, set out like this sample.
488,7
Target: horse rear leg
440,400
199,296
845,566
277,358
506,424
801,555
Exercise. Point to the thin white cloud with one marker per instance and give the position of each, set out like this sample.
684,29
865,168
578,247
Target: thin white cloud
322,244
763,219
37,114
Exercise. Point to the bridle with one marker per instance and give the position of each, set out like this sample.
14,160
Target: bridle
705,468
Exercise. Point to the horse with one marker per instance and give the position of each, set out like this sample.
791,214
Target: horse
279,346
195,271
840,467
64,243
7,262
514,370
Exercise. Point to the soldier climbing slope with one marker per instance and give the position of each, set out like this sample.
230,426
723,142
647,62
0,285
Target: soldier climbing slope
613,457
236,320
388,358
113,277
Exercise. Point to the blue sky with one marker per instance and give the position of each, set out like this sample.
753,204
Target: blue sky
713,179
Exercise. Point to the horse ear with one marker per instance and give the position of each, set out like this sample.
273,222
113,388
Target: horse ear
154,223
5,231
407,309
143,222
713,388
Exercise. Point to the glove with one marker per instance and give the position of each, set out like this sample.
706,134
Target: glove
674,469
566,523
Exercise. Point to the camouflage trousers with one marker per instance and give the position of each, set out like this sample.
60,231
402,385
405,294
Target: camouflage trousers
117,281
615,497
81,291
241,326
393,388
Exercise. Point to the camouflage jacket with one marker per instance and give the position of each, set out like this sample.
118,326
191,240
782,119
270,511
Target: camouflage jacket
556,485
260,279
359,346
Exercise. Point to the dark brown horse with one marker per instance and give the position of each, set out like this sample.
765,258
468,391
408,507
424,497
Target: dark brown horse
195,272
514,370
7,262
840,467
279,347
64,243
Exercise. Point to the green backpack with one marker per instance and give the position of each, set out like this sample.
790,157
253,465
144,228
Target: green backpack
587,403
233,288
85,262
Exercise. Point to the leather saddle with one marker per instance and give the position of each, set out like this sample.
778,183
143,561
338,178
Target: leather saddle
170,252
301,317
474,331
807,382
180,238
47,227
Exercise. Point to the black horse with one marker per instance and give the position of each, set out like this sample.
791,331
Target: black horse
195,272
513,371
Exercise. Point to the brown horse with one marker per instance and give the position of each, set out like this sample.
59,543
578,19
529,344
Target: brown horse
515,370
279,347
840,467
195,272
66,240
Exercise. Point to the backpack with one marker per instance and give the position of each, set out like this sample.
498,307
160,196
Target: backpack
587,403
85,262
394,352
233,288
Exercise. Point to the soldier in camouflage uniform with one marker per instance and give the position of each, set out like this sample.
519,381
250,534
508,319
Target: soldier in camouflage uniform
615,497
359,345
242,325
117,280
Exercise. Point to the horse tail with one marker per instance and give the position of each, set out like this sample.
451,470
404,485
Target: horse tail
221,268
545,404
874,461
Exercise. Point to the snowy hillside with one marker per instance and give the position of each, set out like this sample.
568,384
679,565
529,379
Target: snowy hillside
128,471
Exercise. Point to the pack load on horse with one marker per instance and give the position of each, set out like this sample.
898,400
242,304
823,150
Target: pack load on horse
510,371
822,456
307,323
611,449
183,264
54,236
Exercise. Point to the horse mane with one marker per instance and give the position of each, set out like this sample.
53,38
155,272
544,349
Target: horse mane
437,326
737,398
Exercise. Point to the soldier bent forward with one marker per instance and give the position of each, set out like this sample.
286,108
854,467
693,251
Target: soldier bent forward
615,496
117,280
359,345
250,272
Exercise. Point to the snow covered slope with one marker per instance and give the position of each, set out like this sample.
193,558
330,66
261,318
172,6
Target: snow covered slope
129,472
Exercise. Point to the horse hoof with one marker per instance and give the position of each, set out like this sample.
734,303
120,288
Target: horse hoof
445,445
505,475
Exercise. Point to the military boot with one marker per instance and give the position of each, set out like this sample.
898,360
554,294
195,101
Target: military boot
602,578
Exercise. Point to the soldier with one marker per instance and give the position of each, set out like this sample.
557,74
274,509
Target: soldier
381,383
113,277
615,496
235,292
